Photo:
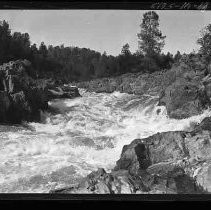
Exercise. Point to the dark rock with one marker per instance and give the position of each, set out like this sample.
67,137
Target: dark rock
19,86
172,177
203,177
38,101
100,182
204,125
184,99
4,104
199,145
22,98
208,90
19,109
166,169
134,157
141,153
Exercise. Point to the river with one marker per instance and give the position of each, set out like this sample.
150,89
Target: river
84,134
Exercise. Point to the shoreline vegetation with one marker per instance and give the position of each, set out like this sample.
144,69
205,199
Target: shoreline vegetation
169,162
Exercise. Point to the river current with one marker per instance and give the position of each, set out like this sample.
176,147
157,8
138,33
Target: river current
84,134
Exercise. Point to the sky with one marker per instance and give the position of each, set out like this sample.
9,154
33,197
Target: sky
107,30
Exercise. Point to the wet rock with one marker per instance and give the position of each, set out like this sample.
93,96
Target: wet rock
57,92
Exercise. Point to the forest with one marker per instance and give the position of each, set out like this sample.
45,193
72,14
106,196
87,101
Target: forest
72,63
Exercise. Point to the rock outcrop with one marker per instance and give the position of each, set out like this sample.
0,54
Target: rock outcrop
132,83
190,93
21,97
175,162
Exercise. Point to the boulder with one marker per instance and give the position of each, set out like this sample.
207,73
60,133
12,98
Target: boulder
62,92
142,153
134,157
184,99
22,94
22,98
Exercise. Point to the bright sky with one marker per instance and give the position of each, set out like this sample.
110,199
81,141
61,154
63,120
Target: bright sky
106,30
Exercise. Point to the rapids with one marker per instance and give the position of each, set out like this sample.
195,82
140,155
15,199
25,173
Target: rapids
84,134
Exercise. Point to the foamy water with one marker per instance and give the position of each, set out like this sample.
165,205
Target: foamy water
87,133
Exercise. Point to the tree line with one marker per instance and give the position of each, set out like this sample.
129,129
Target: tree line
75,64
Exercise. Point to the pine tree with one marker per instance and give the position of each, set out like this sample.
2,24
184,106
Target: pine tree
43,50
5,39
151,40
177,56
126,50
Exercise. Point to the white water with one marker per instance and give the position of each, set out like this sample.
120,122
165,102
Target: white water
87,133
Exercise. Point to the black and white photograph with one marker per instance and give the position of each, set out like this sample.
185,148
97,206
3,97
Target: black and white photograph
106,101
